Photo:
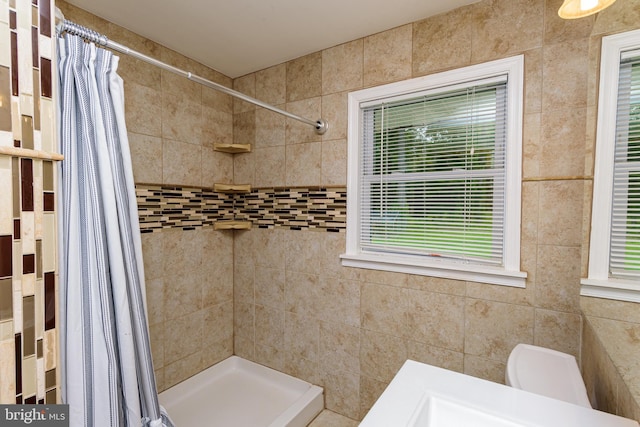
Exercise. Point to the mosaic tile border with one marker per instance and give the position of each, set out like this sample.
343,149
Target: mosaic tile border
320,209
178,207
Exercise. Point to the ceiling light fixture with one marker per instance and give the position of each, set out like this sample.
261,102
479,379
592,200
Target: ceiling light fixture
573,9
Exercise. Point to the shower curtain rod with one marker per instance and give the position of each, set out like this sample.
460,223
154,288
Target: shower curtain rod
64,25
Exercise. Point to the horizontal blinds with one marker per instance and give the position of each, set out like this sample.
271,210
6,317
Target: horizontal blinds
624,260
433,170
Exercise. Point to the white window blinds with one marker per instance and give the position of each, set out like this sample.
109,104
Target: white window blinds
624,259
433,174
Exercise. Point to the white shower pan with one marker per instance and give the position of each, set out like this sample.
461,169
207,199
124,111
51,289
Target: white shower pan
240,393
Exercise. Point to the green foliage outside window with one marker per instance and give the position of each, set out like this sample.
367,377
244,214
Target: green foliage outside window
431,183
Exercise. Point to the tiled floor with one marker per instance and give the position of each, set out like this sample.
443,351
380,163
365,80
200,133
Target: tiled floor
331,419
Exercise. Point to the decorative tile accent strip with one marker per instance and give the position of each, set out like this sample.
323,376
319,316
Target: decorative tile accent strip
322,209
294,208
177,207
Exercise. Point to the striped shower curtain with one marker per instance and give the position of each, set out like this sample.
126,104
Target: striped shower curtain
107,372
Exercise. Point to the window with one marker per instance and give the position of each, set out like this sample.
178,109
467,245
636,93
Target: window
614,251
434,175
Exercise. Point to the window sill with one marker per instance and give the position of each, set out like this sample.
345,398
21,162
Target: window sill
447,269
616,289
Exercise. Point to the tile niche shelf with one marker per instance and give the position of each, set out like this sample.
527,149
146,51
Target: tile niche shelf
232,225
232,148
232,188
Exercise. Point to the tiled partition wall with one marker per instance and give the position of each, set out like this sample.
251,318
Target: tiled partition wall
348,329
610,348
27,209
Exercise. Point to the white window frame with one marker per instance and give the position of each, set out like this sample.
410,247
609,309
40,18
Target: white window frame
508,273
598,283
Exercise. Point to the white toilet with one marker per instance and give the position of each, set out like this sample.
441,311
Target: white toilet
547,372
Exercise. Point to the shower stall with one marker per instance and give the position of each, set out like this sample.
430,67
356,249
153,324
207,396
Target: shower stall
221,392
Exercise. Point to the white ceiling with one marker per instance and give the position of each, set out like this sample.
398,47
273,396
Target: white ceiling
237,37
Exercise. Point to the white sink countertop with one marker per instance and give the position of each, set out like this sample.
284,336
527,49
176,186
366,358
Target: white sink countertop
422,395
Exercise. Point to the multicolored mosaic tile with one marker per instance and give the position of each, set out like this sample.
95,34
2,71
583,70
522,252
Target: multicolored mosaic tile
27,212
178,207
322,209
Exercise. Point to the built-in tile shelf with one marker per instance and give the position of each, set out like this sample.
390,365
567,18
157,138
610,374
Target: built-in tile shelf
232,225
232,188
232,148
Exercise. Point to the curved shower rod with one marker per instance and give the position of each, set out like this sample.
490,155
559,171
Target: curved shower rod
63,25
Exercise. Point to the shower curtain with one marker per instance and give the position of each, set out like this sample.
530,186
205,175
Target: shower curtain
107,372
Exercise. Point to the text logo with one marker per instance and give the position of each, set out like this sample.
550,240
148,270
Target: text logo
34,415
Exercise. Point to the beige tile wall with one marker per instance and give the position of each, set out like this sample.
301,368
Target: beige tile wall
295,308
349,330
172,125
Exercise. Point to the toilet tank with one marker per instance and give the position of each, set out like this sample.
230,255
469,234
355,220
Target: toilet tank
547,372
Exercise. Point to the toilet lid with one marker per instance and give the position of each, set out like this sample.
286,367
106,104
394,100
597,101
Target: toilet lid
547,372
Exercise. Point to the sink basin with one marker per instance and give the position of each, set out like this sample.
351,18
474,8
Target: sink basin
422,395
436,411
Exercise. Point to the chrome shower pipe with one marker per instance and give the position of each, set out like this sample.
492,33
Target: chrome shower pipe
64,25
